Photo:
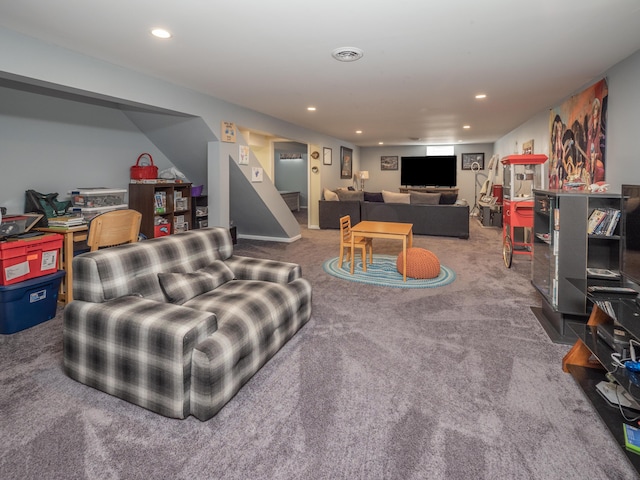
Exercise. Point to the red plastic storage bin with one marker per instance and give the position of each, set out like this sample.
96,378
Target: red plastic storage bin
27,258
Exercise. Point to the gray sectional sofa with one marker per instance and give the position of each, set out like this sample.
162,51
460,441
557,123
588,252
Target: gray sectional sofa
178,324
450,220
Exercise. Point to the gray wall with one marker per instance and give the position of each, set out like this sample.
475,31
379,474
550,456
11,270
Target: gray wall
56,145
72,74
99,144
390,179
623,125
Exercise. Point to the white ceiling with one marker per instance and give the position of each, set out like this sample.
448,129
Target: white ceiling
423,62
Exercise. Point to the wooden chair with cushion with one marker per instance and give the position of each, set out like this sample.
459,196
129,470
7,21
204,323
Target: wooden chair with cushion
114,228
362,243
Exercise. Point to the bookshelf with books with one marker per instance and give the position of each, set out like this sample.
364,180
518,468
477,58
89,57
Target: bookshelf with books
576,243
165,207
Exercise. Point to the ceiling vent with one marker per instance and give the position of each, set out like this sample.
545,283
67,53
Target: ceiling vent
347,54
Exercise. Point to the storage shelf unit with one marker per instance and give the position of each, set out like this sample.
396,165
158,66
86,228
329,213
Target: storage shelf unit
143,197
564,251
200,207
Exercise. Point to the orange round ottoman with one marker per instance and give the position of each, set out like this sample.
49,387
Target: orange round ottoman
421,263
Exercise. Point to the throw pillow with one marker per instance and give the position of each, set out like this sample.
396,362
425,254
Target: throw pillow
220,272
424,198
448,198
181,287
330,195
347,195
393,197
373,197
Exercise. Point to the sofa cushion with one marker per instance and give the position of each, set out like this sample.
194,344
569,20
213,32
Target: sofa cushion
448,198
330,195
180,287
373,197
424,198
395,197
346,195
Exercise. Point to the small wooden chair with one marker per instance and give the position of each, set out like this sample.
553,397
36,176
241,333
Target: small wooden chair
362,243
114,228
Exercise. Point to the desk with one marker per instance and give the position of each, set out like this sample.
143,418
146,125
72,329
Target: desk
71,235
399,231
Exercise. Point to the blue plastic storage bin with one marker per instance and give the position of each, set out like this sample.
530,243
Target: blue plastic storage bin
28,303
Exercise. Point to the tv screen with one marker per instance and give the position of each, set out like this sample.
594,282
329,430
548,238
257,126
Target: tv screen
630,224
431,171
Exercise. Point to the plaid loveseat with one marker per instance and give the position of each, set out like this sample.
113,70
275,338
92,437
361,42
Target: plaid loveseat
178,324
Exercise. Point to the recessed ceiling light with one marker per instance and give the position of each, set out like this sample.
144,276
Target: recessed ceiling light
347,54
480,96
358,132
160,33
311,109
466,127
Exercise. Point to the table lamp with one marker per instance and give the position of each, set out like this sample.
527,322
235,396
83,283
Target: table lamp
363,175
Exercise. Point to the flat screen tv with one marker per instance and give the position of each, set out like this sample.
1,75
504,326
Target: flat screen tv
630,225
431,171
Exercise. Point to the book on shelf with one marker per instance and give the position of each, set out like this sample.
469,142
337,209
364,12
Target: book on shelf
160,202
602,272
603,221
595,219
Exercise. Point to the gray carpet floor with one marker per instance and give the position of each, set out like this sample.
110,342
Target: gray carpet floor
456,382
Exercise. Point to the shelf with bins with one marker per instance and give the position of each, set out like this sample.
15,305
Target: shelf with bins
565,254
200,211
165,207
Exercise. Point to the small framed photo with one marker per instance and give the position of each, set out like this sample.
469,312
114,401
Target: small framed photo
473,161
326,156
244,155
256,174
388,163
346,162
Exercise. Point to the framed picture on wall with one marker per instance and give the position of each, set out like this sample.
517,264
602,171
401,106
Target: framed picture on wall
388,163
346,162
326,156
469,161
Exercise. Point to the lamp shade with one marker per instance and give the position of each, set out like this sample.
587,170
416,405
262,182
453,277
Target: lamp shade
363,174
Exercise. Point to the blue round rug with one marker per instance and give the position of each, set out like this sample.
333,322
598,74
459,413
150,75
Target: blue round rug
383,273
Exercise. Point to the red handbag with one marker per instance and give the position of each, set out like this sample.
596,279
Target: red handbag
143,172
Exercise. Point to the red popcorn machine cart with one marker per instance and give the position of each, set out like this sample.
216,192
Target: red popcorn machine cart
521,175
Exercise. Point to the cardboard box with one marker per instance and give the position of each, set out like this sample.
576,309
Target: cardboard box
29,303
27,258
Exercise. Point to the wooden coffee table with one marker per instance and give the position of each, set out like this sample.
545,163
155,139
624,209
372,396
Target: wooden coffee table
371,229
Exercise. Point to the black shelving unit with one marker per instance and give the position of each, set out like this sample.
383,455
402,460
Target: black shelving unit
200,211
589,372
564,252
